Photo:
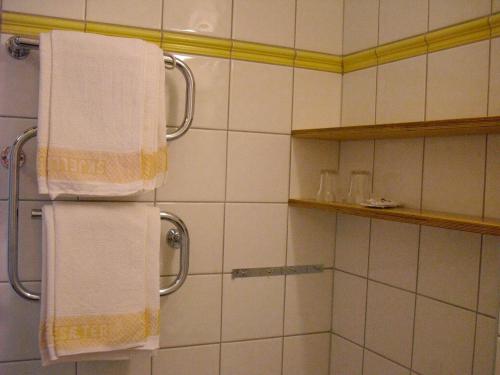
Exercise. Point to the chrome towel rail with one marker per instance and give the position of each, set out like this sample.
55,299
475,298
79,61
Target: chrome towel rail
177,238
19,48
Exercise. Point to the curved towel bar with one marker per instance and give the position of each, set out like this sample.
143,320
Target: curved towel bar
178,237
19,48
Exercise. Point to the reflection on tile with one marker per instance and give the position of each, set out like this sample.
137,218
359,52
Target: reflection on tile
447,12
208,17
319,26
146,13
454,172
197,163
192,314
462,71
311,237
444,338
358,97
212,88
179,361
205,225
264,21
306,354
401,19
55,8
308,303
255,235
349,302
401,89
316,99
447,255
260,357
19,88
360,25
257,167
261,318
346,357
261,97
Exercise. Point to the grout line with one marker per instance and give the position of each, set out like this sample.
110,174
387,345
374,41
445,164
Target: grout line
366,297
477,303
483,208
415,298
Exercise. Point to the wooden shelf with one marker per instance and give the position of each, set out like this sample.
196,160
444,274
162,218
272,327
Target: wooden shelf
404,215
479,125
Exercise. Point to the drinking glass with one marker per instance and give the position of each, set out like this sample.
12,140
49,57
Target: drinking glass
359,190
326,191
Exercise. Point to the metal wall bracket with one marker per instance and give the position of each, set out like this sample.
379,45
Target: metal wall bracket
276,271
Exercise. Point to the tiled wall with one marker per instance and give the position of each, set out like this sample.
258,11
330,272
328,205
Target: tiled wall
228,180
410,299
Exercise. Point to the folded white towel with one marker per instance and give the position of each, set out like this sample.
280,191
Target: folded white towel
101,115
100,281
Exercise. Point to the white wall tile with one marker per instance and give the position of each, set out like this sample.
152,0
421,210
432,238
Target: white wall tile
454,173
457,82
495,6
308,158
19,322
494,98
308,303
316,99
261,97
19,88
138,364
260,357
394,253
354,155
205,225
445,257
179,361
264,21
146,13
192,314
360,25
211,17
196,167
484,358
402,19
389,322
255,235
35,368
349,303
311,237
376,365
447,12
491,196
212,88
352,244
346,357
444,338
358,97
319,25
252,307
401,89
399,178
490,276
257,167
306,355
55,8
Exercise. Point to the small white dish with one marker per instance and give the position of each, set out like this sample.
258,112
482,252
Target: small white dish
380,203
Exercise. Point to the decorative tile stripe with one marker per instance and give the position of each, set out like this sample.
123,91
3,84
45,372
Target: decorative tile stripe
262,53
448,37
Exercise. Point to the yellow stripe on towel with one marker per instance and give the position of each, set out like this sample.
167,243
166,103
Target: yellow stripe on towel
100,166
95,331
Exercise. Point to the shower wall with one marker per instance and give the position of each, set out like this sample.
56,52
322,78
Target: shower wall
228,180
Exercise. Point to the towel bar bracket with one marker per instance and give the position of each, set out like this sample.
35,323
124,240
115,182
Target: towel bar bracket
4,158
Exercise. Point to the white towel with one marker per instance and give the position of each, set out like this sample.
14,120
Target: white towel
100,281
101,115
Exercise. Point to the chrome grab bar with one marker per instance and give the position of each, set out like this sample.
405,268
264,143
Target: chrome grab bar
19,48
176,238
